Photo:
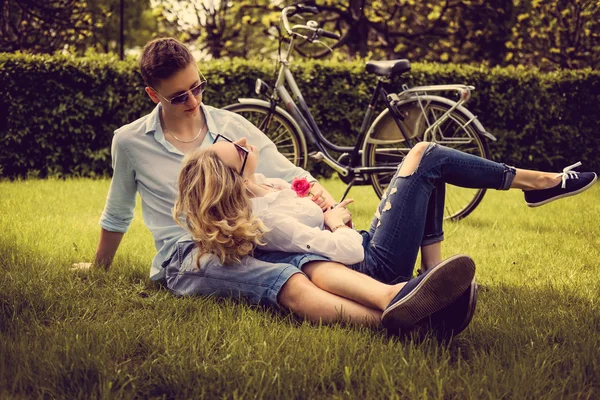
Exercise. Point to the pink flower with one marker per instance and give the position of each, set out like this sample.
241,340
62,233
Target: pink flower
301,187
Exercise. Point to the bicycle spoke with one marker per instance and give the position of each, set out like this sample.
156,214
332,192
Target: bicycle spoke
285,140
280,132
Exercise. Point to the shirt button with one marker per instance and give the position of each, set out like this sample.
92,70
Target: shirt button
308,246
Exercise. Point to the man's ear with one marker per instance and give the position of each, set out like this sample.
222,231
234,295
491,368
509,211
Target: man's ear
152,94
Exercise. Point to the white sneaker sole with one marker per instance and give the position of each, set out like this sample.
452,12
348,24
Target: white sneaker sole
586,187
442,286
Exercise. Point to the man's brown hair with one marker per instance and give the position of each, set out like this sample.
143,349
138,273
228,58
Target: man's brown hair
162,58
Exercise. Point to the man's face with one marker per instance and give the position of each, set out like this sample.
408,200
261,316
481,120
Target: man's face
181,83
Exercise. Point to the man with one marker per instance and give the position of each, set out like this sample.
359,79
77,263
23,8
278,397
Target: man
147,154
146,158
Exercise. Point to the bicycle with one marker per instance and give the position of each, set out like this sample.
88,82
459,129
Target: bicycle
412,114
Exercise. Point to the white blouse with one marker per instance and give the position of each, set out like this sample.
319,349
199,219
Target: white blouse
296,226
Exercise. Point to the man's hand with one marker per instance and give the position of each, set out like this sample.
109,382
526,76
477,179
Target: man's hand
107,247
81,266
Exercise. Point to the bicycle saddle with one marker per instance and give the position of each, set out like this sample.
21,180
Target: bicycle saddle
390,67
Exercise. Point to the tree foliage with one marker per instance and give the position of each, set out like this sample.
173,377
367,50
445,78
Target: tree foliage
220,28
550,34
563,33
43,26
140,25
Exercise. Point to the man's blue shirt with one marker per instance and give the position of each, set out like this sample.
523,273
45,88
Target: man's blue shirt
144,161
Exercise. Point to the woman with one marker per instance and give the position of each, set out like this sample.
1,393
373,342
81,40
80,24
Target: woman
229,210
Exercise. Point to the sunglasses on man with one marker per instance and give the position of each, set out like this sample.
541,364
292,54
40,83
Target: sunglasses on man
241,149
183,97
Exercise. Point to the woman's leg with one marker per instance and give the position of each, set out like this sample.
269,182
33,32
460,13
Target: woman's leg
410,214
534,180
524,179
342,281
431,255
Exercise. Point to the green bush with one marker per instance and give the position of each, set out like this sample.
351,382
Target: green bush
59,113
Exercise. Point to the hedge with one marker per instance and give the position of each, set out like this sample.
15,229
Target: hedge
59,113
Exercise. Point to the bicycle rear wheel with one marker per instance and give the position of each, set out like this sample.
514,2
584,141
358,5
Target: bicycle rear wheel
385,145
278,128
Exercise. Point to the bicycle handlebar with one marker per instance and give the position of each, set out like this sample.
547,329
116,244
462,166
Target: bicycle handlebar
327,34
298,8
303,8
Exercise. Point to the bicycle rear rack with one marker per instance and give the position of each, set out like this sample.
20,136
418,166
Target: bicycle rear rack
464,92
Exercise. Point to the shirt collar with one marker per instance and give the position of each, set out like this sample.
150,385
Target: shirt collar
153,126
153,121
213,130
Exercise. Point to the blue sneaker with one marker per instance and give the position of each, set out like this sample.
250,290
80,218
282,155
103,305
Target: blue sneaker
432,291
452,320
572,183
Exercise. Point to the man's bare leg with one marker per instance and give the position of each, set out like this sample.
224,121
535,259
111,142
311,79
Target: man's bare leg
308,301
338,279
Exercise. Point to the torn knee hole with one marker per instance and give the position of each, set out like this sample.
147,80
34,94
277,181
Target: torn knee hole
412,160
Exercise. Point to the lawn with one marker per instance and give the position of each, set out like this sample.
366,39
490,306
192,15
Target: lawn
536,332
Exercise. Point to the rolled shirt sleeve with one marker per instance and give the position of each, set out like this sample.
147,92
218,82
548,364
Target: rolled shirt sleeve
120,202
289,235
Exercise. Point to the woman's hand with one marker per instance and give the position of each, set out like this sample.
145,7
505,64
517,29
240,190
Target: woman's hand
339,215
318,199
320,196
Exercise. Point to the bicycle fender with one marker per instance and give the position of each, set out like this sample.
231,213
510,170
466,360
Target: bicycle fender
383,121
480,129
381,118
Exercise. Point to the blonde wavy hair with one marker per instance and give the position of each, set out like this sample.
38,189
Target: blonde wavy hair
212,203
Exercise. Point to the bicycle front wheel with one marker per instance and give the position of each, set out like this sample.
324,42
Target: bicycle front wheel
278,128
385,146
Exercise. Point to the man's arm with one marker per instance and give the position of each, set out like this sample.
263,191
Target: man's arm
118,210
107,248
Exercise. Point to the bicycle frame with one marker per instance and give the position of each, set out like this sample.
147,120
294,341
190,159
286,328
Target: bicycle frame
301,113
353,172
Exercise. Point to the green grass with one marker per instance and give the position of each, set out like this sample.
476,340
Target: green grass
117,335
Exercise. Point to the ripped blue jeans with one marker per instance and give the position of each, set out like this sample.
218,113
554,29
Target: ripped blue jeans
411,212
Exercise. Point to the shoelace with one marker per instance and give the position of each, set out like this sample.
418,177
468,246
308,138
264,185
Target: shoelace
568,174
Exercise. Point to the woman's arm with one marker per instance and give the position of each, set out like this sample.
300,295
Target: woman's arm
287,234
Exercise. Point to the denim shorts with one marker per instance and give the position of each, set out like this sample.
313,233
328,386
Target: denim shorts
257,279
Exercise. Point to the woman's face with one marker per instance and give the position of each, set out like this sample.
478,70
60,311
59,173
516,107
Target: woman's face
233,156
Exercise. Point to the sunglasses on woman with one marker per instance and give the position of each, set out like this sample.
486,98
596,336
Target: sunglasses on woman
240,149
183,97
